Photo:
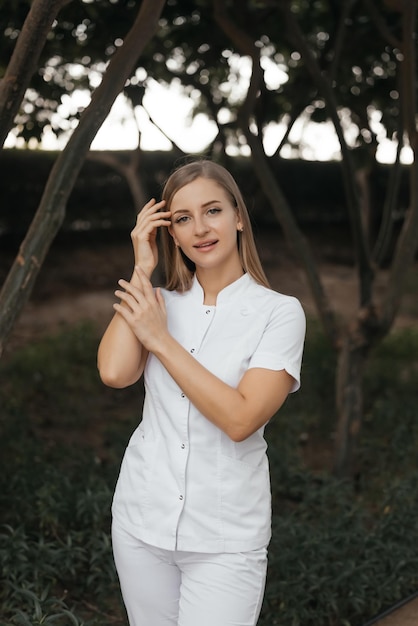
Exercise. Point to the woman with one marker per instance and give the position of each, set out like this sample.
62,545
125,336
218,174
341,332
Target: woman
220,352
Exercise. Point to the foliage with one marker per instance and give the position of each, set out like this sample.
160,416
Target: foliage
341,551
333,562
75,57
192,49
55,491
54,542
339,554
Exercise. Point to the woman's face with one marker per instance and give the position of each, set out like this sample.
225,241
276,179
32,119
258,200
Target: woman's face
204,225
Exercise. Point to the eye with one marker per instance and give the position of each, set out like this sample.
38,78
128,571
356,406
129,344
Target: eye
214,211
182,219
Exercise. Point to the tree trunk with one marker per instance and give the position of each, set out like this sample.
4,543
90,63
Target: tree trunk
24,59
371,324
353,341
51,211
407,244
130,170
294,236
349,403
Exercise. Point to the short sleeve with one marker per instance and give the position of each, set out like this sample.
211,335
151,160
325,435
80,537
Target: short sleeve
281,345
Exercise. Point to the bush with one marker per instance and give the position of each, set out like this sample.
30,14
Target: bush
340,552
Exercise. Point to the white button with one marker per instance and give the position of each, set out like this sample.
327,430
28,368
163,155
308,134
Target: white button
180,497
192,350
183,446
182,395
207,311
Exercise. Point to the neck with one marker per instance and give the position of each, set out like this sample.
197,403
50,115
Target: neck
213,281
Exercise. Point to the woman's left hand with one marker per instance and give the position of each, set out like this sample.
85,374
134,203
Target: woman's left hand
144,310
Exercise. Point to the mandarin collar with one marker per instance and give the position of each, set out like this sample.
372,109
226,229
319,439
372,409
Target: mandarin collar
226,294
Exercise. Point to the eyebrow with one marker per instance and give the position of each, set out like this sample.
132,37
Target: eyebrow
204,205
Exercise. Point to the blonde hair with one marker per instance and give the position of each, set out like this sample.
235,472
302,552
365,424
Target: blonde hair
179,269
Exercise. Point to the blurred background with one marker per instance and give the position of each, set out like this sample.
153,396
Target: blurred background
312,105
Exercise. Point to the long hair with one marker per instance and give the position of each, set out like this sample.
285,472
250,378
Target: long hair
179,269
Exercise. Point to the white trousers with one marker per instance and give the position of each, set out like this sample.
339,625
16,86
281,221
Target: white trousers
165,588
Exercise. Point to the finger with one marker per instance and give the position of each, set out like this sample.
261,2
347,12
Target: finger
123,311
150,222
151,203
145,284
158,219
129,300
134,290
160,299
152,216
151,207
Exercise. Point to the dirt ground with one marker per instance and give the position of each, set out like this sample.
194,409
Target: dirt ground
77,283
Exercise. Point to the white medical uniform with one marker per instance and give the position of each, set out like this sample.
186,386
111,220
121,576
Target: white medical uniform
184,485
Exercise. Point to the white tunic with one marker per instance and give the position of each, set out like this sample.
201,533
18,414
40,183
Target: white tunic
184,484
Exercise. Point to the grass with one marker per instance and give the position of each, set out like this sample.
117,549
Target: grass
341,552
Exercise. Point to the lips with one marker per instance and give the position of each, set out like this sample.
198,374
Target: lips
205,244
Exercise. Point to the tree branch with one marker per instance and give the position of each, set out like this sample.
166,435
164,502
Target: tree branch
386,225
362,251
24,59
407,245
269,182
51,211
339,37
381,25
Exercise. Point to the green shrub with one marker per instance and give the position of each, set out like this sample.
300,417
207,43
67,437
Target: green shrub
55,545
340,552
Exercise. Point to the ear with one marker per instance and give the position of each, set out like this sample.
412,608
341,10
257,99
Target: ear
239,223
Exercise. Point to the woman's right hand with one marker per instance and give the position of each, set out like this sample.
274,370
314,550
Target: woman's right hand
144,235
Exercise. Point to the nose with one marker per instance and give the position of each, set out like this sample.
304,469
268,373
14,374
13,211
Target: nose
200,226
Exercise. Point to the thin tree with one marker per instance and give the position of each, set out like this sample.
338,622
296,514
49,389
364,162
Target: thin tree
51,211
354,340
24,60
